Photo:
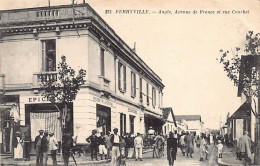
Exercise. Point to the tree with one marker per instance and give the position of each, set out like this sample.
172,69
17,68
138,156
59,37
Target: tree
63,88
244,71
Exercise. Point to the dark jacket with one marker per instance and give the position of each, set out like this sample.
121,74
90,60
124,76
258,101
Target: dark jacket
171,143
15,142
112,141
129,142
93,140
44,143
101,140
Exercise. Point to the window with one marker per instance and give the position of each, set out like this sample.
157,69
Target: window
102,62
132,120
122,124
49,55
121,77
154,97
133,84
147,93
141,91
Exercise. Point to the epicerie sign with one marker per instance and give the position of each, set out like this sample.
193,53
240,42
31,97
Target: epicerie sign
36,99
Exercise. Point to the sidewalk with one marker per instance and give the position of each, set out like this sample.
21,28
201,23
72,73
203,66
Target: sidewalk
82,160
229,158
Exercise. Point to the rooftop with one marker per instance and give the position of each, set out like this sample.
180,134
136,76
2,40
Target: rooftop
11,20
187,117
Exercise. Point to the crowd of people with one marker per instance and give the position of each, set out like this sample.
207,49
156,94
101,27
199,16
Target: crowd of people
117,146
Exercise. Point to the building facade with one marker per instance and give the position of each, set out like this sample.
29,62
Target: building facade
121,91
194,123
170,123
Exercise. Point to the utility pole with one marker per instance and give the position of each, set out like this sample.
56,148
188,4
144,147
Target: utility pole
49,3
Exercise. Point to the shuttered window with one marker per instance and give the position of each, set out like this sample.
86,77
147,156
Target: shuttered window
121,77
133,84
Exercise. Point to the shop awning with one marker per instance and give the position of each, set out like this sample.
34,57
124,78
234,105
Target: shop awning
148,114
243,112
10,109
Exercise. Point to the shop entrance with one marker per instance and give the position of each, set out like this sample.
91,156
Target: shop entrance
103,118
46,117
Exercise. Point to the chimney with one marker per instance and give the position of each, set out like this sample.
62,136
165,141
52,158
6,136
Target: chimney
134,49
84,2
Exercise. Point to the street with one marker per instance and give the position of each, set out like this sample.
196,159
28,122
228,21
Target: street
181,160
147,160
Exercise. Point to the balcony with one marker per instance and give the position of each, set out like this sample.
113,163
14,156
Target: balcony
104,86
43,76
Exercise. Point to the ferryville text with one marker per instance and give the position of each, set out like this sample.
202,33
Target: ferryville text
177,11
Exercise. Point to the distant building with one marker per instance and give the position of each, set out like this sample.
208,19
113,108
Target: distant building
170,122
121,90
194,122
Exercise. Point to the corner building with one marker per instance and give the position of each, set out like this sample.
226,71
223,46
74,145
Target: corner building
120,90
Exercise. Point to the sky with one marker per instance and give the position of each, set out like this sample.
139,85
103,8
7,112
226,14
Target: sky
181,48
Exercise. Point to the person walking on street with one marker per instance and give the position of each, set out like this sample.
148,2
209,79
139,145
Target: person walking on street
138,142
45,147
18,149
38,148
115,141
67,144
203,145
53,145
189,146
151,135
171,148
220,147
93,140
182,143
27,146
245,148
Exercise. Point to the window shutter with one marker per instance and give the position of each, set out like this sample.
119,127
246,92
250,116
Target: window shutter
147,94
119,76
102,62
124,78
134,85
141,93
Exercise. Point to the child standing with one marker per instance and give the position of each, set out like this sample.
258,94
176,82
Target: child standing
220,147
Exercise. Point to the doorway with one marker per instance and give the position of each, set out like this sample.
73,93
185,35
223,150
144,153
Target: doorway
103,118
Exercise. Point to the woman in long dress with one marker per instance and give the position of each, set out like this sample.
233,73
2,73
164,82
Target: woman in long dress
18,149
203,144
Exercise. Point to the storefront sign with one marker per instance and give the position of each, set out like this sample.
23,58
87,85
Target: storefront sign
102,101
34,99
38,99
132,110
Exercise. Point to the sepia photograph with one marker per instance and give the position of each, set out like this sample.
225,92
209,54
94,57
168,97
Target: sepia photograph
133,82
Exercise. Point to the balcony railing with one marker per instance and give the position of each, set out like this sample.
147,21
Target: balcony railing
43,77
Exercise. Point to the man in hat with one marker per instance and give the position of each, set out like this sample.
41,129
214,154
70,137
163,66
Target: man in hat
94,142
53,146
38,148
115,140
151,135
45,147
138,141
